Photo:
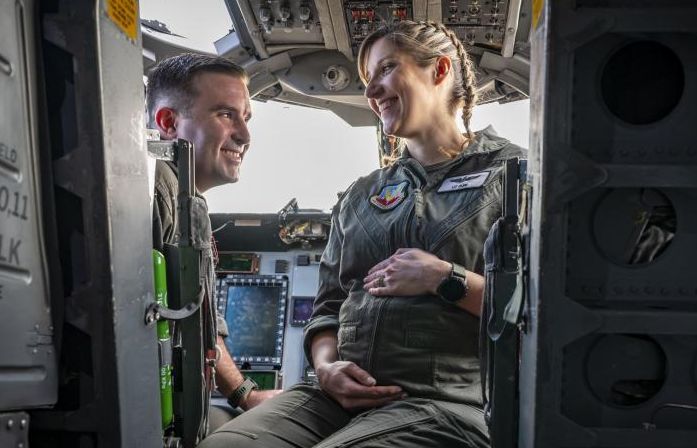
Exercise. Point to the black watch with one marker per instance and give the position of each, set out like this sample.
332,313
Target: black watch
247,386
454,287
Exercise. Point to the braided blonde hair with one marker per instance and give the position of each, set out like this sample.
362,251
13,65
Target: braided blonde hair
425,42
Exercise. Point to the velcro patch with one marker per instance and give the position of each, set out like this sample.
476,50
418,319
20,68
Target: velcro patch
390,196
466,181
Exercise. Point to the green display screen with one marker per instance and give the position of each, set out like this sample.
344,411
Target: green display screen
265,379
232,262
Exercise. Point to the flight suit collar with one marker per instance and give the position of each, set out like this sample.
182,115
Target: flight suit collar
486,140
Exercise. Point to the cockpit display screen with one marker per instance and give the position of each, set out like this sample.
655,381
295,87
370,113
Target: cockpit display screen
302,310
254,310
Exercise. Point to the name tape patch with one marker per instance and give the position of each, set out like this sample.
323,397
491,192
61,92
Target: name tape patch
474,180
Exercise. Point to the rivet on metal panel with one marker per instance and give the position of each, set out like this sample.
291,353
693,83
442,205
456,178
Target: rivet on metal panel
5,66
10,424
23,423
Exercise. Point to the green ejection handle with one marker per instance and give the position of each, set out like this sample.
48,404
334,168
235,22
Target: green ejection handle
164,341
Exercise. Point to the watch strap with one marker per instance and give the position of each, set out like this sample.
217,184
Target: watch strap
458,271
239,394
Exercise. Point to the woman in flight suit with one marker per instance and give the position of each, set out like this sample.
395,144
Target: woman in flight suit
394,332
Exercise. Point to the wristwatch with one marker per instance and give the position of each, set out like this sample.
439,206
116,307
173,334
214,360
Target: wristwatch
247,386
454,287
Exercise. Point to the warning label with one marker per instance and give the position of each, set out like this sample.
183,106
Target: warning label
124,13
537,7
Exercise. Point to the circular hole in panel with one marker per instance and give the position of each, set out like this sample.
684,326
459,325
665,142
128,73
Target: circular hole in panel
625,370
642,82
633,226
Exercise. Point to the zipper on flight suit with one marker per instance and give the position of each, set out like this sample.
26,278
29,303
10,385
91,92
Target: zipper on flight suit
383,300
418,207
374,333
417,210
413,218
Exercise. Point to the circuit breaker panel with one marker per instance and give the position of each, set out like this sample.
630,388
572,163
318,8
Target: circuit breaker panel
480,22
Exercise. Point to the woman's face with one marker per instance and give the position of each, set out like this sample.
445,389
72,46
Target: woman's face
399,91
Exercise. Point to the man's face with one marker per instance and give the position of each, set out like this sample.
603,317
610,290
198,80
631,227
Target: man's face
216,124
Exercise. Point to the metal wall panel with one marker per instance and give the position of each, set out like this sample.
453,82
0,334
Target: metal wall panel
28,376
93,122
608,357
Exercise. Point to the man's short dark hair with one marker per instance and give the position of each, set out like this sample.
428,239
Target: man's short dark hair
173,78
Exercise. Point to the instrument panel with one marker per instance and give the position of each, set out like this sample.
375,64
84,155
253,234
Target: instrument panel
265,312
476,22
362,18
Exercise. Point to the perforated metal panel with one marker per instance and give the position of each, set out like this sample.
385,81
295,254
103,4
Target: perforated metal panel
609,353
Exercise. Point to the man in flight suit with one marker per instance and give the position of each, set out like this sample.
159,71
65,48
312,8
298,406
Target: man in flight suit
204,100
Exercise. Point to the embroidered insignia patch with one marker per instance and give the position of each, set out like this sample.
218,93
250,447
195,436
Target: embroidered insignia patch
390,196
474,180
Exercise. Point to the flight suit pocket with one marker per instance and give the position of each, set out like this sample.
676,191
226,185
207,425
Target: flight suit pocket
347,347
375,428
420,339
368,247
347,334
469,207
452,370
435,341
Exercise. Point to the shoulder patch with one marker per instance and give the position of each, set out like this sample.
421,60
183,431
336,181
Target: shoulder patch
390,196
466,181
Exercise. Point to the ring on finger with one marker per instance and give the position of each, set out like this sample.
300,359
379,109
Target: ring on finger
381,282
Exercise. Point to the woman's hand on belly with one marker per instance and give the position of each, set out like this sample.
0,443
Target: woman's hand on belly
409,272
352,387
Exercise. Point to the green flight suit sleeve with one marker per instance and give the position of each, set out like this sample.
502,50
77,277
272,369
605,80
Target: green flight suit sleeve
164,207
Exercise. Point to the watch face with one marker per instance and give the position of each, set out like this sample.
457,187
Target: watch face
452,289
